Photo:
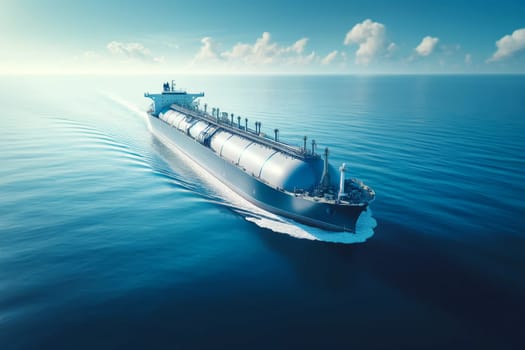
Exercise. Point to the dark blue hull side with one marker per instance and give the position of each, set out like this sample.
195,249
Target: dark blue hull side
320,214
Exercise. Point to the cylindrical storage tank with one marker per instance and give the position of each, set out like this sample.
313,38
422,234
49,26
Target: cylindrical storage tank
286,172
164,116
185,123
290,173
197,128
254,157
169,117
234,147
178,118
218,141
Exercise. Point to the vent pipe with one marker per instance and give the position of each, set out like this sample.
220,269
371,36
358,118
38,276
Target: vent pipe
239,121
276,131
342,193
246,124
205,108
231,119
325,179
313,147
304,139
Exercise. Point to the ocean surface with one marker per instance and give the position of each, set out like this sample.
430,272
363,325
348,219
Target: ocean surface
110,239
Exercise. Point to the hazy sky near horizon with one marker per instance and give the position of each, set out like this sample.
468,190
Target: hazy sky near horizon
59,36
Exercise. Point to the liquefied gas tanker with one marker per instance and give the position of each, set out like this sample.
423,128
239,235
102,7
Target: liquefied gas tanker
294,182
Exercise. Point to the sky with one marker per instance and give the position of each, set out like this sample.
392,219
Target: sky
252,36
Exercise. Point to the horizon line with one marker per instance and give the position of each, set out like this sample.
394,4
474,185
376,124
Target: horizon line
11,74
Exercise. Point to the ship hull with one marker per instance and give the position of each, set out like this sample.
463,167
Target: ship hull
320,214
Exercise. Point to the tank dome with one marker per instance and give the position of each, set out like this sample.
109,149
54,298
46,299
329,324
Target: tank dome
290,173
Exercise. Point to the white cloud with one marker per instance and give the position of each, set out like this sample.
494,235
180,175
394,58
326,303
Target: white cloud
426,46
118,57
329,58
130,50
509,45
299,45
263,52
371,38
468,58
301,59
391,47
208,50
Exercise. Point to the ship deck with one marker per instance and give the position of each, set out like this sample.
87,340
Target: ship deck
360,196
292,151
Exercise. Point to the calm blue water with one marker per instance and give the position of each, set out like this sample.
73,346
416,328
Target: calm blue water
109,239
